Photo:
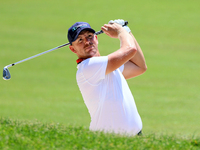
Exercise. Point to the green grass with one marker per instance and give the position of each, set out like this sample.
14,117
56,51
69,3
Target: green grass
167,95
16,134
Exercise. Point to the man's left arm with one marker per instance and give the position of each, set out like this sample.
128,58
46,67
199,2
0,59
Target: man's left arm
136,65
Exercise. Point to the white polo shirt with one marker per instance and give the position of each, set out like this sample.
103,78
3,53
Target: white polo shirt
108,98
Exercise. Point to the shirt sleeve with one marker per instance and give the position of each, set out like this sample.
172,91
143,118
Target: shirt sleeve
94,69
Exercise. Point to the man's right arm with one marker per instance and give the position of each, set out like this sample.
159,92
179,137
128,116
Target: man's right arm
127,46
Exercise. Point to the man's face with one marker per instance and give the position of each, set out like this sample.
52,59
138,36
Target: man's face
86,45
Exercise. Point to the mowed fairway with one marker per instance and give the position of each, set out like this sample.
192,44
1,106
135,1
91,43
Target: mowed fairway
44,88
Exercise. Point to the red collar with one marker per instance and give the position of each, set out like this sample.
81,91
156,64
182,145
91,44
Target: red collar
78,61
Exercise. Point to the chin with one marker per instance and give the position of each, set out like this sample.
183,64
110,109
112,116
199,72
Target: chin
93,53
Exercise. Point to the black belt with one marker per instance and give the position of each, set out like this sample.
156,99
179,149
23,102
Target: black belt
140,133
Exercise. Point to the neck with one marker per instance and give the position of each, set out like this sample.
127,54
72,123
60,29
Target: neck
79,60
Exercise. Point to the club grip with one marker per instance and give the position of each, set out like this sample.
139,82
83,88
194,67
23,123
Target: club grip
125,23
100,32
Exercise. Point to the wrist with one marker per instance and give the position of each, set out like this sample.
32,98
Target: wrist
122,33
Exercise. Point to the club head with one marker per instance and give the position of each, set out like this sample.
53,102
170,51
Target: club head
6,74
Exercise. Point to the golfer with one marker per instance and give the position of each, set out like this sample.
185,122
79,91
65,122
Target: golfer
102,79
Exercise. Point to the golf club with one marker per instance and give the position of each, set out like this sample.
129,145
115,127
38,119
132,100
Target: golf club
6,73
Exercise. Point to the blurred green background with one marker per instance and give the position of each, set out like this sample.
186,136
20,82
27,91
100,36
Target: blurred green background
45,88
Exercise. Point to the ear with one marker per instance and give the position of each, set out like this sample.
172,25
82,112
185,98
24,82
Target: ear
96,38
72,49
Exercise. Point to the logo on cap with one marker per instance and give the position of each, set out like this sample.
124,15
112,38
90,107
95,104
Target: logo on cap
79,26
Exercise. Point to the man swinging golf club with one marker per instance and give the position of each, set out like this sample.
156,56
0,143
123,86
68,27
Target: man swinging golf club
102,79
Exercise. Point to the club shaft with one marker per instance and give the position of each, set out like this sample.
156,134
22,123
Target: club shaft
36,55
